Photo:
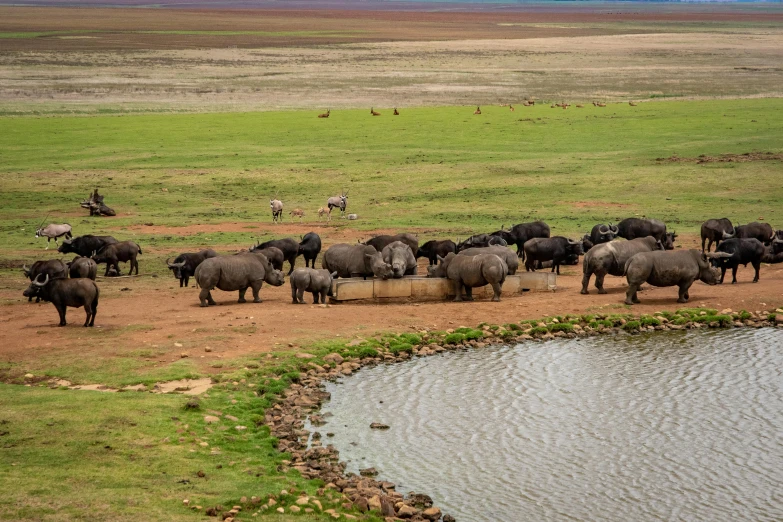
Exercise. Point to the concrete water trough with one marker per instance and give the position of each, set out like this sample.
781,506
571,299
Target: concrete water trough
419,287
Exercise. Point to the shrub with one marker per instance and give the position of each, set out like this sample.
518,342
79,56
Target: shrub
646,320
561,327
679,321
410,338
631,326
366,352
473,335
539,330
513,327
396,348
743,315
454,338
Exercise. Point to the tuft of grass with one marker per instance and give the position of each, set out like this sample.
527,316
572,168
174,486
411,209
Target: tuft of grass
631,326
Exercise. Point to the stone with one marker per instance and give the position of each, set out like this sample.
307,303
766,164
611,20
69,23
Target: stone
280,510
378,426
779,319
302,501
294,509
368,472
406,511
184,355
207,349
335,358
431,513
231,418
305,356
210,419
28,376
361,504
374,502
449,518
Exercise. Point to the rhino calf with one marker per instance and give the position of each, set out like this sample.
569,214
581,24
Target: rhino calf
317,282
667,268
400,256
471,272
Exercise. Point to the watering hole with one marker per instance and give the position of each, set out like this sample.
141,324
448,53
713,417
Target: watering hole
668,426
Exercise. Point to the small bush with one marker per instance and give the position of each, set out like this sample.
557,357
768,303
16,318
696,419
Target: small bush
679,321
396,348
743,315
367,352
409,338
646,320
539,330
473,335
562,327
454,338
631,326
513,327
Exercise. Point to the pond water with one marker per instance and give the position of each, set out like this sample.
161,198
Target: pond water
666,426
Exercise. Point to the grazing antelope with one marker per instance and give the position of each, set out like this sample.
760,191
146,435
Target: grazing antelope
599,104
532,101
53,232
511,108
632,104
372,111
478,110
297,212
277,210
580,106
526,104
340,202
322,211
326,114
564,106
395,113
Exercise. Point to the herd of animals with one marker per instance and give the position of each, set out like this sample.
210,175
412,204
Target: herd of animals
645,255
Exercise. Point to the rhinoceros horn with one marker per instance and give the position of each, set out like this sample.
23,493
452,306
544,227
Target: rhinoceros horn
46,280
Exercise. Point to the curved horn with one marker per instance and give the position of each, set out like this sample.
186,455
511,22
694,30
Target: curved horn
25,269
46,280
603,229
67,241
776,240
572,242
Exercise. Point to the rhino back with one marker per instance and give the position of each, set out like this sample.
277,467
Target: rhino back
347,259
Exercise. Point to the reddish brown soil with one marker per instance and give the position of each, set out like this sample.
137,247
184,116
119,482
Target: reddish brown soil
155,313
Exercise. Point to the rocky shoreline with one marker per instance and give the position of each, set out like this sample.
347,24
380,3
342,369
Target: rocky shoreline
301,401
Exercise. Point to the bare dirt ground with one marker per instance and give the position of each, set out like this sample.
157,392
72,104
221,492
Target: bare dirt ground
137,60
155,318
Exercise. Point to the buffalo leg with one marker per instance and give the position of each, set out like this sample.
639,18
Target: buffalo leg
757,266
293,262
94,308
61,310
556,265
709,244
496,288
722,273
88,311
256,287
586,282
734,274
181,282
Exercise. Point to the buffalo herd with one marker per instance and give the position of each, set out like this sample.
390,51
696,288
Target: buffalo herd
644,255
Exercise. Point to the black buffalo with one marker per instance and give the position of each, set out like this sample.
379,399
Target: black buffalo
761,231
116,253
434,249
631,228
603,233
82,267
54,268
715,231
743,251
309,248
382,241
184,265
289,247
557,249
521,233
63,293
481,241
587,243
86,245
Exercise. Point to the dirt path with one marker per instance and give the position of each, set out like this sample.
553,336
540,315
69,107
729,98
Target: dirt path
155,314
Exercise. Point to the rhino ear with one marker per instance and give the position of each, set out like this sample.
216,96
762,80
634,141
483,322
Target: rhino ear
333,274
441,259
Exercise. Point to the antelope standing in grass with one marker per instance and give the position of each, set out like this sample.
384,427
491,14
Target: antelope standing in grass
53,232
511,108
478,110
326,114
297,212
396,113
372,111
277,210
340,202
327,211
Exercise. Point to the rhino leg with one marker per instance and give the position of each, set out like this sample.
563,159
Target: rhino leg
496,288
205,297
599,282
293,293
757,266
242,295
458,288
586,282
256,287
468,293
630,294
684,296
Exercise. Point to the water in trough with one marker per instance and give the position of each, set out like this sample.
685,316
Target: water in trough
668,426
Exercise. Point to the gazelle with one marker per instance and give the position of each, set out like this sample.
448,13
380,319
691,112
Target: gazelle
373,112
326,114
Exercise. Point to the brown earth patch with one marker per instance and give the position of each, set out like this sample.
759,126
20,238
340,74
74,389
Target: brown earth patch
726,158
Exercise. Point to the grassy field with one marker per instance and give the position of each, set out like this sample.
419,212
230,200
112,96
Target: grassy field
440,171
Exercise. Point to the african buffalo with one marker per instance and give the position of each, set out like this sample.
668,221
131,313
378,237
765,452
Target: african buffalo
509,258
434,249
631,228
116,253
481,241
289,247
587,243
610,258
742,251
67,292
761,231
184,265
356,261
380,242
715,231
310,247
603,233
401,259
239,272
556,249
773,254
82,267
523,232
274,255
318,282
86,245
471,272
54,268
663,268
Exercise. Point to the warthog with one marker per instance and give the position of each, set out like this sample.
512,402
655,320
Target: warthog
471,272
380,242
309,248
556,249
610,258
239,272
715,231
631,228
54,231
509,258
82,267
86,245
54,268
401,259
742,251
318,282
116,253
184,265
664,268
433,249
67,292
289,247
356,261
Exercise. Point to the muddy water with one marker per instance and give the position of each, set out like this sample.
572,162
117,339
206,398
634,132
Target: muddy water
672,426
